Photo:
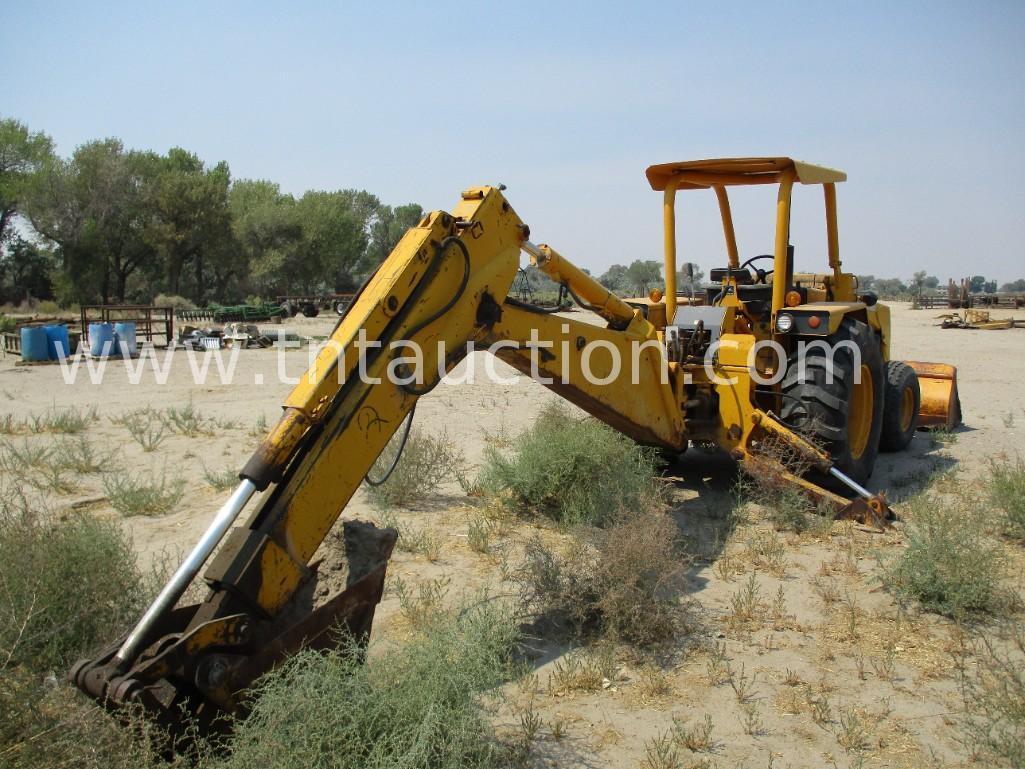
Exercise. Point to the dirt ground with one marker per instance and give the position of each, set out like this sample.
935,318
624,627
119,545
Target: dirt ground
830,662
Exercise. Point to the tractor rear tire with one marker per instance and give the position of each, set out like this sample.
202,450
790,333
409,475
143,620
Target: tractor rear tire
839,406
900,406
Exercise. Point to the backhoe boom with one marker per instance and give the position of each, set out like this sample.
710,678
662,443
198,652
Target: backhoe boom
439,288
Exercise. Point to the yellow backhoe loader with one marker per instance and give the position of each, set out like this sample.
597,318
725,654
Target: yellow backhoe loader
769,355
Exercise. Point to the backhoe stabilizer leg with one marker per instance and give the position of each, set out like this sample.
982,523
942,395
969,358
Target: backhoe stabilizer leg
866,508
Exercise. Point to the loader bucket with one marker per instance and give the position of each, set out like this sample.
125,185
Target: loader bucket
941,406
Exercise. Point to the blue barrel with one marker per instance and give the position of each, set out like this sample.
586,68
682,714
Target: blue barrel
57,345
101,339
33,343
124,337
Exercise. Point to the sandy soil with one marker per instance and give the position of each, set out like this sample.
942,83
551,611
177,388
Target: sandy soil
889,672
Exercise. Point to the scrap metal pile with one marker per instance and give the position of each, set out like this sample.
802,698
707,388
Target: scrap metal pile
977,320
244,335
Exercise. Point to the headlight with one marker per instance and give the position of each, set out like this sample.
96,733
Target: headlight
784,323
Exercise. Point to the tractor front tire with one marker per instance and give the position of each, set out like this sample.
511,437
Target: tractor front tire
835,398
900,406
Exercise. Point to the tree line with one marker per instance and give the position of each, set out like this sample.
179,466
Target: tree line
921,282
640,276
112,224
118,225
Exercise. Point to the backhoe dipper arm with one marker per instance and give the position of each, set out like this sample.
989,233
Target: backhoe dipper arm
440,287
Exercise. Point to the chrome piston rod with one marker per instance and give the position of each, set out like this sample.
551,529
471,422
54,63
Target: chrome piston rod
853,485
190,567
533,250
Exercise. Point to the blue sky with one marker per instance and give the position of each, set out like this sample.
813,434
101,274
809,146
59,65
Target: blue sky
923,104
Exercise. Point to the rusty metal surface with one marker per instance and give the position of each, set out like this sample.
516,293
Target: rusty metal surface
772,474
874,512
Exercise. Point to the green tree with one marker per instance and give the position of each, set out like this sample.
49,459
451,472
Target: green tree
190,217
614,278
642,275
1015,286
918,281
688,282
889,288
266,233
25,270
129,222
96,207
931,282
386,229
976,284
22,155
333,243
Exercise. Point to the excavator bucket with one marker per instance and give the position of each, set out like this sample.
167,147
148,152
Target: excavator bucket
874,511
941,406
191,677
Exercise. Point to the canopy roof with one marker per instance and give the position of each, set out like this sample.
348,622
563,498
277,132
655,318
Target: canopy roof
700,174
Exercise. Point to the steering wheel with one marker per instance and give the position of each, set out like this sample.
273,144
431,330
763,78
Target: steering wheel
759,275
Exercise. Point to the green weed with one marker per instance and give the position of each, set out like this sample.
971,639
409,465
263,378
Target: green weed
53,477
18,460
942,436
582,671
67,420
187,420
571,470
478,535
416,705
79,456
11,425
143,494
423,605
660,752
259,428
993,690
1007,492
426,462
65,585
696,738
221,480
950,565
413,540
146,429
